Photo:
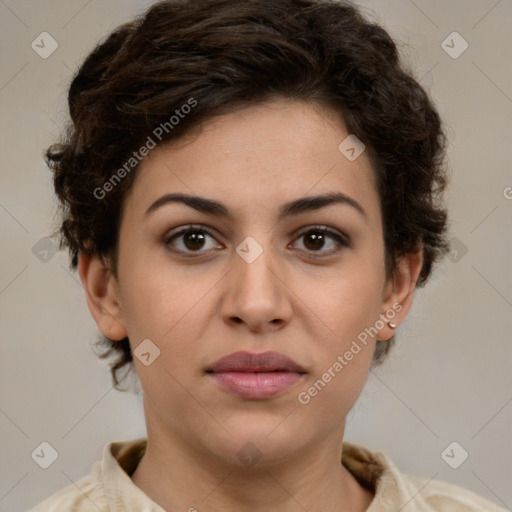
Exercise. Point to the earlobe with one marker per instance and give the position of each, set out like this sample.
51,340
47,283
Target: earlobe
399,292
102,296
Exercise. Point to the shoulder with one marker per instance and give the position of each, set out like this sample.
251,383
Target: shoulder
395,490
108,487
438,496
84,495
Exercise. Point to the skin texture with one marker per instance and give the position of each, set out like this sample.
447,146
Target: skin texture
197,310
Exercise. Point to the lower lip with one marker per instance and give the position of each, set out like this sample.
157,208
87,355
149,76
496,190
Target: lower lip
256,385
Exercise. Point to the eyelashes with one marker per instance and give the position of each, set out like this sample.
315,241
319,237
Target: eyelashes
193,239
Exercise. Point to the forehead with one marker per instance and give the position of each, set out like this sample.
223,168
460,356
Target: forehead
260,156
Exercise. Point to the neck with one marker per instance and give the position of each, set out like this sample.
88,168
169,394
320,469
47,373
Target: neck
179,476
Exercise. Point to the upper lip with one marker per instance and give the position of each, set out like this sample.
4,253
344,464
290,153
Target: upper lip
252,362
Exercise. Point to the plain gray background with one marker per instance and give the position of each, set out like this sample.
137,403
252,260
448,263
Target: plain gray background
448,378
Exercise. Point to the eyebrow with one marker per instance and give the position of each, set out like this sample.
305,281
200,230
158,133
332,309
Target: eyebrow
296,207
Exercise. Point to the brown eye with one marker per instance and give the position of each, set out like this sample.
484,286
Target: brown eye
190,239
316,239
194,240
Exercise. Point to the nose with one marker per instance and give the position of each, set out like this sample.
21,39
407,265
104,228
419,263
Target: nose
258,295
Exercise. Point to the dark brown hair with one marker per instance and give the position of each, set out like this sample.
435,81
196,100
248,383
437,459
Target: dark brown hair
222,55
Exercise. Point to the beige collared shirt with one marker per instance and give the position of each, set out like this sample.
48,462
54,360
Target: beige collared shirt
109,488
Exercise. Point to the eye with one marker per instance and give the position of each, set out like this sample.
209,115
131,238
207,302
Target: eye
194,239
316,238
191,239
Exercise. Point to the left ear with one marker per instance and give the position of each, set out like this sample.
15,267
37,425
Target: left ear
399,292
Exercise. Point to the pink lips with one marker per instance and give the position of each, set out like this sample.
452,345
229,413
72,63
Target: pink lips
256,376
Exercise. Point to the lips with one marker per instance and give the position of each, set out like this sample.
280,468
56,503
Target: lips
251,362
255,376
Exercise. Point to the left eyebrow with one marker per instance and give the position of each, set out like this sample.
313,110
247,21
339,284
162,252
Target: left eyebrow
312,203
296,207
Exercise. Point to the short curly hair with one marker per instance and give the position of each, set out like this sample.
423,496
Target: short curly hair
223,55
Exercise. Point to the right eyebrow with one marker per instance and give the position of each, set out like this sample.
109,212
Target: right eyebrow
201,204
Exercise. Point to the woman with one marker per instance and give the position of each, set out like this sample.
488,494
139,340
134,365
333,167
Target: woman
250,194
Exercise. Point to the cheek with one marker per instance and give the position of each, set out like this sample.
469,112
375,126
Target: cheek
343,309
163,316
343,349
153,297
346,301
170,308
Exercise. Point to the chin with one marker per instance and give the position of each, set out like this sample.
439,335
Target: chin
264,441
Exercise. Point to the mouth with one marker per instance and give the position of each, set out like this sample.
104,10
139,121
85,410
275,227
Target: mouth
255,376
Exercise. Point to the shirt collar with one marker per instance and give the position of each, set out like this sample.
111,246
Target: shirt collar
375,471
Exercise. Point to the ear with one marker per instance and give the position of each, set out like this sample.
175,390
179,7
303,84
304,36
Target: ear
102,296
399,292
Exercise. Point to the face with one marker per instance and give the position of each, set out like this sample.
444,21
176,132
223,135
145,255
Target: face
266,268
